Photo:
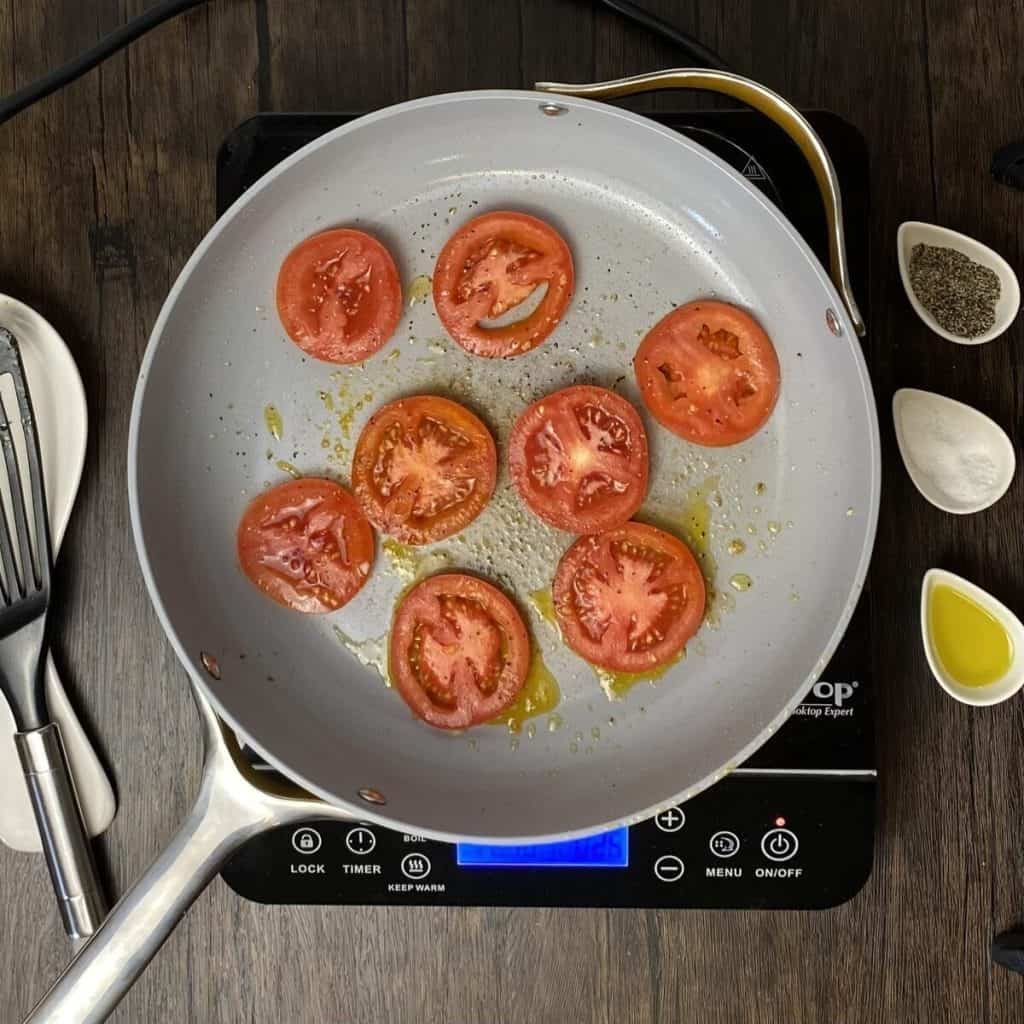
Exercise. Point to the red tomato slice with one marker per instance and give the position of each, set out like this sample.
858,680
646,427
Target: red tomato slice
459,651
491,265
424,468
579,459
338,295
306,544
709,373
629,599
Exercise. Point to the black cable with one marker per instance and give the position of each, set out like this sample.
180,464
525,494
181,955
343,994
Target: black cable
161,12
697,51
108,45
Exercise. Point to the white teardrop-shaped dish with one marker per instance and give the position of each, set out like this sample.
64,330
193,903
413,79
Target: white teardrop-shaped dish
965,439
913,232
1012,679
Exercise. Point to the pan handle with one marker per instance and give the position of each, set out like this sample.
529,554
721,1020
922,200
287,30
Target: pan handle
772,105
233,805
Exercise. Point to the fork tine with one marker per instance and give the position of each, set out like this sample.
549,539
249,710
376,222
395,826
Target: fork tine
9,583
21,582
36,480
35,565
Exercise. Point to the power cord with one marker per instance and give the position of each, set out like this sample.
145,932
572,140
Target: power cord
106,47
166,9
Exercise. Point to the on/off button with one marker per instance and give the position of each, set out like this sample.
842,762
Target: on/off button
779,844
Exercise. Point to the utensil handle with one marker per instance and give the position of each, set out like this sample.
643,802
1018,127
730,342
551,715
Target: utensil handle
773,106
108,964
62,830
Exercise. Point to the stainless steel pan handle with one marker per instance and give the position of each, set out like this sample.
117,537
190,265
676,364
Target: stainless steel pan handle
772,105
234,803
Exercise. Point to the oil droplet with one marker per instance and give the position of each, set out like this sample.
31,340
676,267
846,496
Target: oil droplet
752,529
850,512
410,564
287,467
762,546
531,730
543,604
373,653
759,488
554,723
774,528
695,522
740,581
274,422
419,289
736,547
539,695
595,733
617,684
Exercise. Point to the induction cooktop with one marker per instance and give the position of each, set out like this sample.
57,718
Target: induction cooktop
792,828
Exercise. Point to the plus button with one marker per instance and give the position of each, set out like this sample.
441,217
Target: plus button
671,820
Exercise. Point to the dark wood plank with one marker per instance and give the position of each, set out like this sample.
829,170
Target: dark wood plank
109,185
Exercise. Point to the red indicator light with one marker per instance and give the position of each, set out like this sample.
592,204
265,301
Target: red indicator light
780,821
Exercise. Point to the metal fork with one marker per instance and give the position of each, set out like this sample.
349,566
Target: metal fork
25,558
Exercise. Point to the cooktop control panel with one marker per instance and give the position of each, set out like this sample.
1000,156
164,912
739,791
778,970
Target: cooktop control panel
754,842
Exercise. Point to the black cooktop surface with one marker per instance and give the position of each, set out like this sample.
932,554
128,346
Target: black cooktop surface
792,828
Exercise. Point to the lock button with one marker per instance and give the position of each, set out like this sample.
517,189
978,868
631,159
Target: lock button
306,841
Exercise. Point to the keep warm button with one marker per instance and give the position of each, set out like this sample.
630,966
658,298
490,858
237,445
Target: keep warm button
779,844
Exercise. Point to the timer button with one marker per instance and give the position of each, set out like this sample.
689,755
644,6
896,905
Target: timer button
779,844
360,841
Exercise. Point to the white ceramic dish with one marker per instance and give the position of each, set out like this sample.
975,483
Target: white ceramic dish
58,400
912,232
979,437
1012,680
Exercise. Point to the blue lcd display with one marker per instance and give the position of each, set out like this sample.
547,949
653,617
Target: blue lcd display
607,850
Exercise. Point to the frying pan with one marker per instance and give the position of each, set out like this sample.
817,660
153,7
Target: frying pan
653,220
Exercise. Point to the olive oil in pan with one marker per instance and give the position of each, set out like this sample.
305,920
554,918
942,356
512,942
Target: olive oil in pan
274,421
617,684
540,695
543,604
420,288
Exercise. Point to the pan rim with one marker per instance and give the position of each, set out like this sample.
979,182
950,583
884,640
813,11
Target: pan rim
848,336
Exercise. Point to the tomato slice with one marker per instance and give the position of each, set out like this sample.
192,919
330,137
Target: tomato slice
709,373
493,264
424,468
306,544
338,295
459,651
579,459
629,599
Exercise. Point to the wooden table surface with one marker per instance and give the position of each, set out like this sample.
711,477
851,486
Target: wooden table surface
107,187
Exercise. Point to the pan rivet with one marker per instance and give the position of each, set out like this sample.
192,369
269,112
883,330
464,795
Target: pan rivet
553,109
832,322
210,664
372,796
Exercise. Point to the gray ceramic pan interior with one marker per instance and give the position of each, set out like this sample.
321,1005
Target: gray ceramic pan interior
653,220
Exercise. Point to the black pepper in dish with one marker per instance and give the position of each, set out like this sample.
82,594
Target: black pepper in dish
958,292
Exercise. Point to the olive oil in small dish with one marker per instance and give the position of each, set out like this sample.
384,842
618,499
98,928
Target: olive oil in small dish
974,644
